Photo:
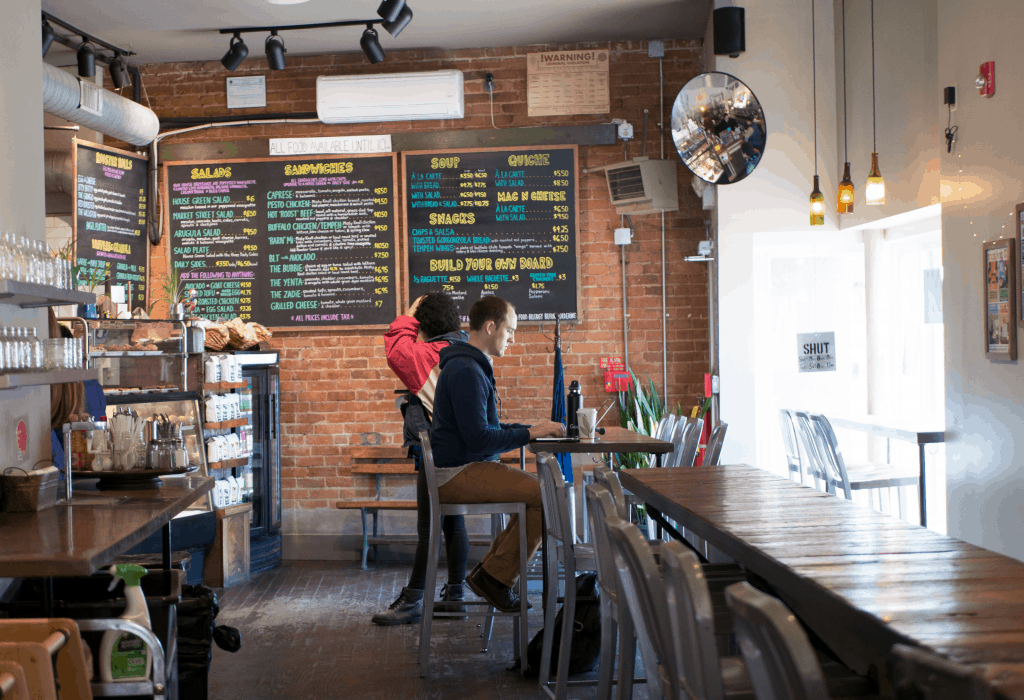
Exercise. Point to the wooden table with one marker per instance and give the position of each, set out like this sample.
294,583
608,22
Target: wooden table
615,441
916,431
76,539
861,580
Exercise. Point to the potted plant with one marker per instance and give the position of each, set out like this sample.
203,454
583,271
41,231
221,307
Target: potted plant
86,277
173,289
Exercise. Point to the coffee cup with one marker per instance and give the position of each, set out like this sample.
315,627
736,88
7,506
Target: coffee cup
587,420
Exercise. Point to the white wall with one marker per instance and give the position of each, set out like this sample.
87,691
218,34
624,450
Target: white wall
984,399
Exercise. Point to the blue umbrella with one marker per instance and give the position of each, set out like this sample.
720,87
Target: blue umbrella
558,410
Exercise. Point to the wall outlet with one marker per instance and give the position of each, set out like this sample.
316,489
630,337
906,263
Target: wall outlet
623,236
655,48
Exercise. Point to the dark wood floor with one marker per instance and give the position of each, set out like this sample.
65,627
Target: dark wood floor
306,633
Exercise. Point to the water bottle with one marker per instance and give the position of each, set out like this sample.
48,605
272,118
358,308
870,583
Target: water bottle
573,403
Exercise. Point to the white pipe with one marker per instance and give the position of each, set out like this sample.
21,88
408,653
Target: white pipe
664,302
118,117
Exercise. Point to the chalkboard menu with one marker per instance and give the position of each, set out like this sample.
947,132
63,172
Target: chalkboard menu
501,222
289,242
111,188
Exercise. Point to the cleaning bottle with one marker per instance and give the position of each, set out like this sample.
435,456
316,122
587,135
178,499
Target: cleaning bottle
123,656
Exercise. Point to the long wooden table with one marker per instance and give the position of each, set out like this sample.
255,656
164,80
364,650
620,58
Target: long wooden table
862,581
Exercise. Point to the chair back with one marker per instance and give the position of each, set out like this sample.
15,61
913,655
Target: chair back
713,451
817,465
779,658
668,423
919,675
642,591
829,451
429,471
687,452
554,500
601,509
789,442
691,621
610,480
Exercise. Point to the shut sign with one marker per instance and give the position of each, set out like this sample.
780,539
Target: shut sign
816,352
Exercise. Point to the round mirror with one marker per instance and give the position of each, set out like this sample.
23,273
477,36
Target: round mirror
718,128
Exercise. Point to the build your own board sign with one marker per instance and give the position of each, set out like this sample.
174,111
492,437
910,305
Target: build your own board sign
290,242
494,221
816,352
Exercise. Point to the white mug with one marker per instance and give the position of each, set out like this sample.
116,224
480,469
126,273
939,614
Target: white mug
586,418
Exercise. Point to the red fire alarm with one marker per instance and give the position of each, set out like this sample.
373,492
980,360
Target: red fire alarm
617,381
986,80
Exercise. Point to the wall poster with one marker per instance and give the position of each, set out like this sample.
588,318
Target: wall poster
1000,301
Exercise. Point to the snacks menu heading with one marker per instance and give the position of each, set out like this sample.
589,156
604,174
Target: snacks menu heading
498,222
287,242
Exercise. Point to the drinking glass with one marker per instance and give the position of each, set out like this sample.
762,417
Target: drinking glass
53,353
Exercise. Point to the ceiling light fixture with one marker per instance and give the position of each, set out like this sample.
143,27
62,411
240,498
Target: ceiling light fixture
371,46
844,205
394,28
874,191
389,9
86,59
275,50
118,70
237,51
817,201
47,36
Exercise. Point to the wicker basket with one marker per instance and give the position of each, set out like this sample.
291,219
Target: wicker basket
27,493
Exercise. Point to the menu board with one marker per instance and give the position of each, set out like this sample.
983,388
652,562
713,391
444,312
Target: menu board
111,188
295,242
494,221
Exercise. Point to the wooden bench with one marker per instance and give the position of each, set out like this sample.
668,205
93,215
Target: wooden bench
381,461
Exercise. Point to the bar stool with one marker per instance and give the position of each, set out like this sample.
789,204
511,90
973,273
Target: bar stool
437,510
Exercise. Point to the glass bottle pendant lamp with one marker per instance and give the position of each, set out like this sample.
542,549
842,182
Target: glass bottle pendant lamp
817,201
845,204
874,192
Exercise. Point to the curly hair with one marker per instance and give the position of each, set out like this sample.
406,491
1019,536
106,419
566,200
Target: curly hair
437,315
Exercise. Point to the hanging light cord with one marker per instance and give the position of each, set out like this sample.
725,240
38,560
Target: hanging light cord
874,120
814,88
846,138
950,131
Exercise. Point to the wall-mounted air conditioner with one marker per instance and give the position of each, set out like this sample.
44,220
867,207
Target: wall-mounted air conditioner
346,99
642,186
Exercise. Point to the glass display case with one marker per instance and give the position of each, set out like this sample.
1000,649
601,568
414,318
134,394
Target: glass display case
138,355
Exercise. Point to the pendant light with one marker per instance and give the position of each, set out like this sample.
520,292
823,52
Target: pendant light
874,191
845,199
817,201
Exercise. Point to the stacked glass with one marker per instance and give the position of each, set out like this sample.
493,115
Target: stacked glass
21,350
26,260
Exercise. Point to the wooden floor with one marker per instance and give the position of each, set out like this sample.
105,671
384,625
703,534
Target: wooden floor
306,633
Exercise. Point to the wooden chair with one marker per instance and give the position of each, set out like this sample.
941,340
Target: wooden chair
919,675
713,450
437,510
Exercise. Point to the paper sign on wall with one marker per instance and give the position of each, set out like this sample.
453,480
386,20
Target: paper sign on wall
816,352
567,82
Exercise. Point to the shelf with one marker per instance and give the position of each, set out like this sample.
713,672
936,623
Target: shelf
229,463
225,424
28,295
214,387
60,376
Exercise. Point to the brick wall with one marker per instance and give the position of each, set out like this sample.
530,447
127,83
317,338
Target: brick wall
336,387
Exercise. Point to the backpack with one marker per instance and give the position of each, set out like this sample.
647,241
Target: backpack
585,648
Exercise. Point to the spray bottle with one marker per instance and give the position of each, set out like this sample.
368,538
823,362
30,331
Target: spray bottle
123,656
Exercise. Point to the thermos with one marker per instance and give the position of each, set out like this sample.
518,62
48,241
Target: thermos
573,403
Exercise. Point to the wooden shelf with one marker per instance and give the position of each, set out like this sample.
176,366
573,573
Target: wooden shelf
28,295
223,386
229,463
225,424
60,376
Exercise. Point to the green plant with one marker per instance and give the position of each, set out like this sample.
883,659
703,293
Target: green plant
87,276
640,410
173,289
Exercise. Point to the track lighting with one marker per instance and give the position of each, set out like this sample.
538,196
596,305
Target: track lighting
275,50
86,59
371,46
237,51
389,9
118,70
394,28
47,36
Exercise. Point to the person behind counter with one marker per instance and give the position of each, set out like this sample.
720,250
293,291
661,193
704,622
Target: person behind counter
468,440
412,345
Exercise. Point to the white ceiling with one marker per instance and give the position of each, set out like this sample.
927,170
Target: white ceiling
162,31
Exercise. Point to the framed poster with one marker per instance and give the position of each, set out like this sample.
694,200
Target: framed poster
1019,219
1000,300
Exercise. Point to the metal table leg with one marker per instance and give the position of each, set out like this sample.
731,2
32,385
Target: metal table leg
921,486
166,532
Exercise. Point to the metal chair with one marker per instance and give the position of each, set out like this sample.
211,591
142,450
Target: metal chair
779,658
919,675
791,444
437,510
686,453
560,551
713,450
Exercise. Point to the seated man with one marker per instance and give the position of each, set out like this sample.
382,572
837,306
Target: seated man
468,441
411,345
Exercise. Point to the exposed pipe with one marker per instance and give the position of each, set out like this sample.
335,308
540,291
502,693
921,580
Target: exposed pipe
664,301
118,117
57,171
263,119
711,235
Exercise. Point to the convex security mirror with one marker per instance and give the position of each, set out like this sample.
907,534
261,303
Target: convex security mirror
718,128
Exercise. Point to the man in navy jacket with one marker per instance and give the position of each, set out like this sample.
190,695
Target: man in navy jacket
468,439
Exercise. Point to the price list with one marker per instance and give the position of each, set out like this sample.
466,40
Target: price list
110,219
494,222
286,242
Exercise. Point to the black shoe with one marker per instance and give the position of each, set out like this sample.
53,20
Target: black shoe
406,610
493,591
451,595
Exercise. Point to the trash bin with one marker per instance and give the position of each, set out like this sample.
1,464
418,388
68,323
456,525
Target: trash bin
197,613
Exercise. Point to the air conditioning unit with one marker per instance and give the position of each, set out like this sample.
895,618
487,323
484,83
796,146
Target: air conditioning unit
348,99
642,186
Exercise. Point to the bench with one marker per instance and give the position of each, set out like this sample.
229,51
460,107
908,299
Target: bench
380,462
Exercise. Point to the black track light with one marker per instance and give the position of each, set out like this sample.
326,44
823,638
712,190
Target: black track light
371,46
389,9
118,70
47,36
275,51
236,53
404,17
86,59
